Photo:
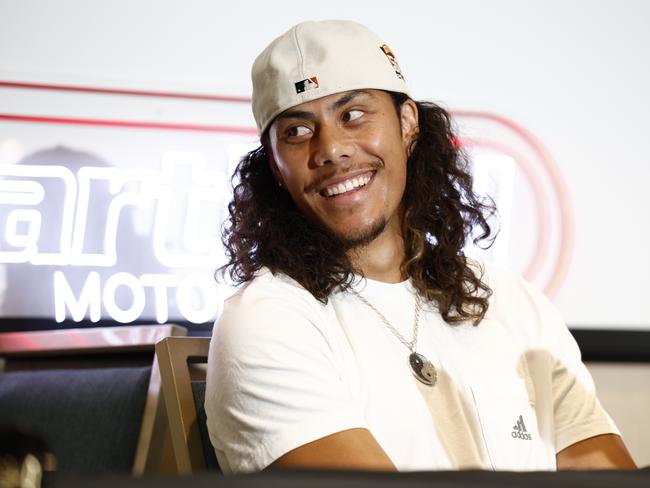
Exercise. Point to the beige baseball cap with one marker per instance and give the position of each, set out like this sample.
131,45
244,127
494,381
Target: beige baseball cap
315,59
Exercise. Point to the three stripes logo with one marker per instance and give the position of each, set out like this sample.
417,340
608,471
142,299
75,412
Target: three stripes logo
519,430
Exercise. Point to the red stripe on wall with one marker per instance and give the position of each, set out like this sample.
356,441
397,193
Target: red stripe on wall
120,91
129,124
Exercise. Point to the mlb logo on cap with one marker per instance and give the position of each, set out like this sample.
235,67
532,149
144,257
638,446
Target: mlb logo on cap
307,84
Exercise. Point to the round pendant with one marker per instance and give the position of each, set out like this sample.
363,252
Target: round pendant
423,369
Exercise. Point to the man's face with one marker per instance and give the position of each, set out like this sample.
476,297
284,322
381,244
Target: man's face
342,158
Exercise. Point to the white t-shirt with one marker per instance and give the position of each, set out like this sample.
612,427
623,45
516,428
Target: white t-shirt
285,369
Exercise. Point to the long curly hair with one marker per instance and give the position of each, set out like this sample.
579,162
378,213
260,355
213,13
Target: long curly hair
441,213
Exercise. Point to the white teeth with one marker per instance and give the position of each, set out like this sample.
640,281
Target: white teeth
347,185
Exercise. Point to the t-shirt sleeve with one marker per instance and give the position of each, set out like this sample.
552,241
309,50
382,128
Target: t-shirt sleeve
273,381
577,412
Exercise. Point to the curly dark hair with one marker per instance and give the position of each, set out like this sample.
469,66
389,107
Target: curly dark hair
441,213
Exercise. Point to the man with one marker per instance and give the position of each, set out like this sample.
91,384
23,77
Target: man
362,337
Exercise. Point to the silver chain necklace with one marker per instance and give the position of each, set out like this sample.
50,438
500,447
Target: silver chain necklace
421,367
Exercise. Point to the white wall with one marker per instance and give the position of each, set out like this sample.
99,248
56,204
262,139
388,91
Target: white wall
573,73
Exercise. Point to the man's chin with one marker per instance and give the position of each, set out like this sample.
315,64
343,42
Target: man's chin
362,237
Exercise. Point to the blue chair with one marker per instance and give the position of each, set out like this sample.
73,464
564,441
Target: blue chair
91,394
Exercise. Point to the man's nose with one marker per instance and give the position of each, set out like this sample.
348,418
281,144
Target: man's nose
331,145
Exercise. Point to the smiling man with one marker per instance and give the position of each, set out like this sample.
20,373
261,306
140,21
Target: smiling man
362,337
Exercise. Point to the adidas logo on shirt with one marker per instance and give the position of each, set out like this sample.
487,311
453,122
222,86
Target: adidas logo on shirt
519,430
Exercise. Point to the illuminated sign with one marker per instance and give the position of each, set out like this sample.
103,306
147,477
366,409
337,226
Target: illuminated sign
181,218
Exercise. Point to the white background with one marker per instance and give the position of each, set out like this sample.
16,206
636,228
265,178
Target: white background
574,73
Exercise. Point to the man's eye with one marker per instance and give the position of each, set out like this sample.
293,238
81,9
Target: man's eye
298,131
352,115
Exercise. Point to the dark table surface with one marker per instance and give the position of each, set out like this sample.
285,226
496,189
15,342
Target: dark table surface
444,479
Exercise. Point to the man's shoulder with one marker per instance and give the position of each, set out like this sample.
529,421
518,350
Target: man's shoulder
504,282
518,305
269,303
501,280
266,285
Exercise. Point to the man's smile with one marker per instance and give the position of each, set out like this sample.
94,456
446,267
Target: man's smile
349,184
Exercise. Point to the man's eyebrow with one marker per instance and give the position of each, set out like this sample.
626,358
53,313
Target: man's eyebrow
298,114
337,104
347,98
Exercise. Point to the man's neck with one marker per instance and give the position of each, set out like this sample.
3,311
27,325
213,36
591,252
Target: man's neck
382,259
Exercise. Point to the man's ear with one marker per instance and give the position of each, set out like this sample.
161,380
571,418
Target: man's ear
274,167
408,119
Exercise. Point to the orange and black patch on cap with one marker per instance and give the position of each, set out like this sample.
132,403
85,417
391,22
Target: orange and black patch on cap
393,61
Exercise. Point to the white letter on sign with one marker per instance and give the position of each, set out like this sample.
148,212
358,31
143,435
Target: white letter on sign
89,298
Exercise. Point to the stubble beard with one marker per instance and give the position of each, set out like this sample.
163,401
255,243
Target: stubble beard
359,240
